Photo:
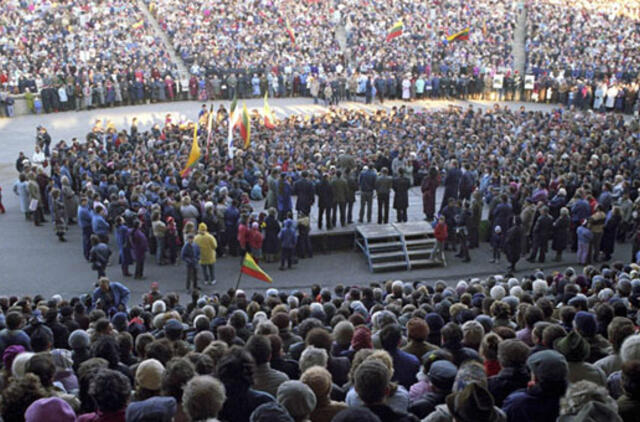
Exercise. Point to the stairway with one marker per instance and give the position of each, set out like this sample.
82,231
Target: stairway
419,244
383,247
183,72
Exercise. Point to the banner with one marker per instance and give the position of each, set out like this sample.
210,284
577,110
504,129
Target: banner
529,81
498,81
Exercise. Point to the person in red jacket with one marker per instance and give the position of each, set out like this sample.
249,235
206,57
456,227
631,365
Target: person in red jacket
254,241
441,233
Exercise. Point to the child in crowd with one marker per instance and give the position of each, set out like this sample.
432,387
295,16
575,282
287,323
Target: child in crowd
441,233
497,239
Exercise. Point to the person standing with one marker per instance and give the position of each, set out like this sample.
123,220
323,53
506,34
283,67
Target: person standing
541,232
513,243
610,232
463,222
339,190
325,201
401,185
124,246
288,239
428,187
84,221
35,203
584,236
21,189
99,225
441,233
367,184
596,225
270,245
383,189
190,256
451,183
99,255
159,230
207,245
303,189
561,233
255,238
139,247
352,185
283,197
497,240
59,215
527,215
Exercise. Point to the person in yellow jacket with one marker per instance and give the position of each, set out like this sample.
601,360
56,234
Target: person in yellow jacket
207,244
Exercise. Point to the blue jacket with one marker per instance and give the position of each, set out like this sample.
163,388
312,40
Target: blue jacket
580,210
120,294
85,217
288,236
190,254
99,225
405,368
584,235
531,405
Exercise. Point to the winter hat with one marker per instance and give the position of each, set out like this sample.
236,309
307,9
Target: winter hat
49,409
319,380
361,338
497,292
573,347
435,323
270,412
158,307
469,372
630,349
498,229
585,323
473,404
79,339
461,287
343,332
149,374
161,409
19,364
442,374
594,411
516,291
476,300
539,287
486,321
202,227
548,365
417,329
605,294
10,354
297,398
62,358
119,321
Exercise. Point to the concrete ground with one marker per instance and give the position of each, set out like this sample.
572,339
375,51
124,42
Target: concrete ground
32,260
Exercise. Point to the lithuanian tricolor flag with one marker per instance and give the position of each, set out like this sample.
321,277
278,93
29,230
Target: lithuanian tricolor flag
194,155
459,36
138,24
269,119
244,122
395,31
251,268
292,36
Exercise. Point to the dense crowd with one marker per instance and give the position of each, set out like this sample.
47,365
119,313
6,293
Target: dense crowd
563,180
87,54
585,53
82,54
558,346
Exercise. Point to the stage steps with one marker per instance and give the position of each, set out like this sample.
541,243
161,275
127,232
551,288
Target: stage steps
397,246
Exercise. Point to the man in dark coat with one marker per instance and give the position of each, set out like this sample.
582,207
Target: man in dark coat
542,230
303,189
451,183
502,214
466,182
401,186
513,243
325,201
429,186
561,227
340,190
383,188
512,355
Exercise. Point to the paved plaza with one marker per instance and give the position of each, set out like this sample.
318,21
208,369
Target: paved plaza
33,261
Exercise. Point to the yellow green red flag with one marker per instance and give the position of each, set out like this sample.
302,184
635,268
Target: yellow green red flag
245,126
459,36
269,119
252,269
395,31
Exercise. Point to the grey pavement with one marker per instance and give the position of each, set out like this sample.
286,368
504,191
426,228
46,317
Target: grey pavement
32,260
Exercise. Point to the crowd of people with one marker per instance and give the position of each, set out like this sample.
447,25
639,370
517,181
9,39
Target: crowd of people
525,181
89,54
558,346
82,54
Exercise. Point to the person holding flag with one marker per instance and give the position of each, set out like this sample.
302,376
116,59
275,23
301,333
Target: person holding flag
232,122
244,123
395,31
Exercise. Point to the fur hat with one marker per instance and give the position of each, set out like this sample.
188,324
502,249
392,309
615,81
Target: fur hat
630,349
149,374
297,398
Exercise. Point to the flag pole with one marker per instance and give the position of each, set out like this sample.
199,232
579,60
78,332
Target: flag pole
238,281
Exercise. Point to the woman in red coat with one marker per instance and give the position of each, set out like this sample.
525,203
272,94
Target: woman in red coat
429,186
